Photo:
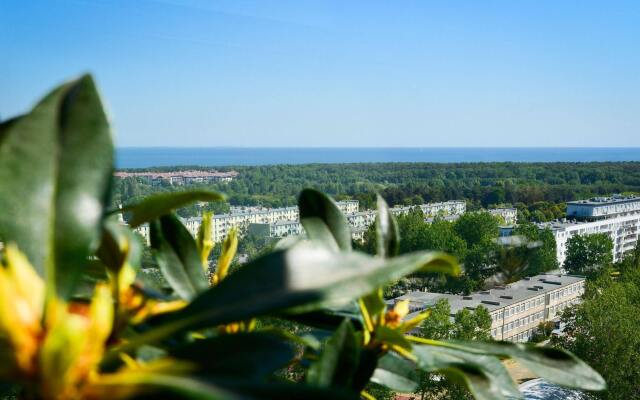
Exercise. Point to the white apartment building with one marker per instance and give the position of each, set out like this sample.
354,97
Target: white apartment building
361,220
516,309
508,215
603,207
617,216
623,231
241,219
445,208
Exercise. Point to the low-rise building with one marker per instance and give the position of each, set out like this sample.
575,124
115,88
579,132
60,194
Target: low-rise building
516,309
508,216
181,177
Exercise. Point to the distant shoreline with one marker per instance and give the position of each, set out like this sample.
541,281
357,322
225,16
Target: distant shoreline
149,157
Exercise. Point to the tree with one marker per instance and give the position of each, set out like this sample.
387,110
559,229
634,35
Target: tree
603,330
543,258
466,325
438,325
440,235
477,228
474,325
587,254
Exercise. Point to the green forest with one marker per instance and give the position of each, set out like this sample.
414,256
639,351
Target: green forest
538,190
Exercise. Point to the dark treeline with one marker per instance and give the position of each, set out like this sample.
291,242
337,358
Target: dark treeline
482,184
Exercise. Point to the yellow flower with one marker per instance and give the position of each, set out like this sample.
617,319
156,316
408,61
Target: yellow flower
393,318
21,306
229,248
74,344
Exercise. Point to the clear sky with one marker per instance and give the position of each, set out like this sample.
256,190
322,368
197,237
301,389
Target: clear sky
337,73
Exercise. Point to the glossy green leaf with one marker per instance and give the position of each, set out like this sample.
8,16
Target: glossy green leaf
374,303
286,391
387,231
552,364
391,336
303,278
118,245
157,205
396,373
178,256
300,279
325,319
322,219
55,168
485,376
247,355
338,360
158,385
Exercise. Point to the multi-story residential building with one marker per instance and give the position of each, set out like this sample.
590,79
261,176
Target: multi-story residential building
361,220
623,231
508,215
181,177
603,207
280,222
617,216
242,218
516,309
445,208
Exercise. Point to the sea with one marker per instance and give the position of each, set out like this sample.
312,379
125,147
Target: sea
143,157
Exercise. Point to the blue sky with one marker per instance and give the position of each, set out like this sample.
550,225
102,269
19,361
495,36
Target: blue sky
337,73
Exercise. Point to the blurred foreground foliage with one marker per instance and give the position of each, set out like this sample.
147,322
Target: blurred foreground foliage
307,320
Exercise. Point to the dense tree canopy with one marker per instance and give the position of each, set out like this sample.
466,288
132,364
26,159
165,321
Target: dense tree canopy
603,329
539,189
586,254
465,325
544,257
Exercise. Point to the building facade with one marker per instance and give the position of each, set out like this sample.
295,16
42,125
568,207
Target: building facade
603,207
618,217
516,309
508,215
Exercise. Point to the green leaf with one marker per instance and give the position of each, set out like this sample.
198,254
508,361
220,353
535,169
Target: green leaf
303,278
374,302
300,279
158,384
325,319
55,168
247,355
286,391
485,376
552,364
118,245
157,205
396,373
338,361
391,336
177,256
322,220
387,231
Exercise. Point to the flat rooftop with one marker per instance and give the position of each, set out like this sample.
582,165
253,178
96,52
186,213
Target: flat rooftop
603,201
498,297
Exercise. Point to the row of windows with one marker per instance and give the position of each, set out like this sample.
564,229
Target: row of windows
524,321
565,292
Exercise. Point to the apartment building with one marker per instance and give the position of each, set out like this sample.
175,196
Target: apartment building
181,177
445,208
508,215
516,309
603,207
616,216
241,219
361,220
